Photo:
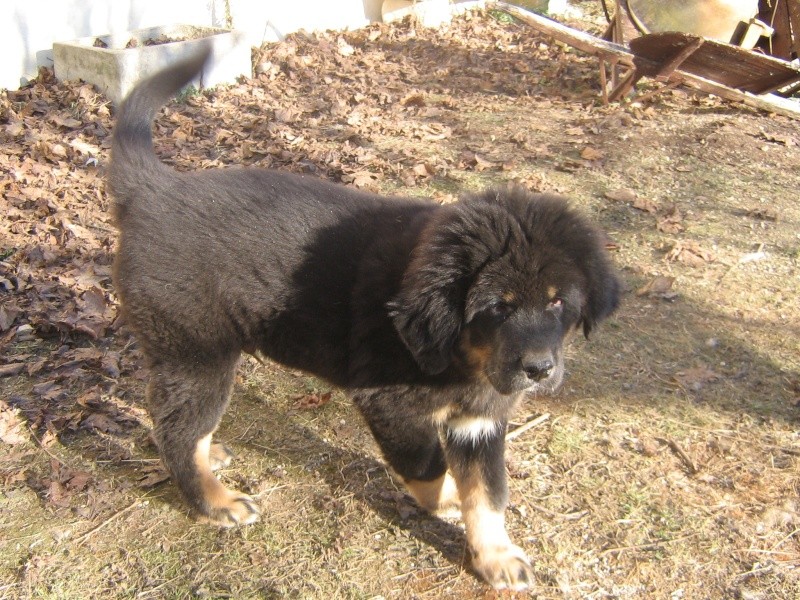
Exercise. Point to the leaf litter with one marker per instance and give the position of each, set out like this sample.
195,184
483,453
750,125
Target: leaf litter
681,183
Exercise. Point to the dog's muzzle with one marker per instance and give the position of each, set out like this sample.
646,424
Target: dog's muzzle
536,370
543,372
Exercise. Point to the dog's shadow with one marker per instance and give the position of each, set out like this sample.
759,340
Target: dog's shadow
346,472
352,474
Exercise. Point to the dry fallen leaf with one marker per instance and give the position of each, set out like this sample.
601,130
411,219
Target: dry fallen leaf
152,475
78,481
671,221
311,401
421,170
344,48
763,214
621,195
690,253
102,423
413,99
11,369
658,287
645,205
591,154
12,426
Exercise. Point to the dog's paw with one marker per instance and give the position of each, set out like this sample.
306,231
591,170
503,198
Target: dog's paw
236,510
438,497
504,567
219,456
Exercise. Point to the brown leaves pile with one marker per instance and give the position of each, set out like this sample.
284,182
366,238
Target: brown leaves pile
57,308
56,240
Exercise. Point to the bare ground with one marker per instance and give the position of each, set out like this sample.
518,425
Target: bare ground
668,466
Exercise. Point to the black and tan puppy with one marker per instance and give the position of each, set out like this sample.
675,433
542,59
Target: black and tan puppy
437,319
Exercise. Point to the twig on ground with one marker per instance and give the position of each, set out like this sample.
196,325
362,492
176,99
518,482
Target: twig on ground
750,257
651,546
525,427
152,591
573,516
85,536
790,556
673,445
741,577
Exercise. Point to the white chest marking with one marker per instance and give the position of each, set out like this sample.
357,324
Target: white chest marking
472,429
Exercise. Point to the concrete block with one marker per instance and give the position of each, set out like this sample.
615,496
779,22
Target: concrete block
115,63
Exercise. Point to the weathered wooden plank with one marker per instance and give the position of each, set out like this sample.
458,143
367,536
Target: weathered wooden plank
573,37
670,66
794,24
597,47
729,65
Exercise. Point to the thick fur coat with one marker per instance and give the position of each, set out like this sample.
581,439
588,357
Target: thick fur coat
436,319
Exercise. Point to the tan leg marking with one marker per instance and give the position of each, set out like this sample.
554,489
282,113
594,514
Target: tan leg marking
500,562
439,497
226,507
219,456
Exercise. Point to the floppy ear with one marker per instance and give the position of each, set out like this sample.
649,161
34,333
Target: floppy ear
427,314
603,287
602,297
428,311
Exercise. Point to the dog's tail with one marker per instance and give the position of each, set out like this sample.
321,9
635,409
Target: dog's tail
133,159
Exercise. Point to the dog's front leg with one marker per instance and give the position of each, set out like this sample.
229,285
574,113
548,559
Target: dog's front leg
475,450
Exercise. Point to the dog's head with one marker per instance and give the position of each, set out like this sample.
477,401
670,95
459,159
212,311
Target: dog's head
497,282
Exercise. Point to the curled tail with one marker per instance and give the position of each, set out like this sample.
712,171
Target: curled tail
133,160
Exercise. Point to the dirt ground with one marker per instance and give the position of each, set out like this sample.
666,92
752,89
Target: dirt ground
668,466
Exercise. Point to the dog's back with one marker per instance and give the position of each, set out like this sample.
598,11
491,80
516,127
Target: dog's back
236,258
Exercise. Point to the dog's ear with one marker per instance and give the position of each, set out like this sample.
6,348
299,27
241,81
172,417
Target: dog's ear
602,292
602,295
427,314
428,311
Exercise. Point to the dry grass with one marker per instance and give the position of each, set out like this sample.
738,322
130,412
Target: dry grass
669,465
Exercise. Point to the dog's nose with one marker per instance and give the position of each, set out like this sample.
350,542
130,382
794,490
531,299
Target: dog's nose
536,370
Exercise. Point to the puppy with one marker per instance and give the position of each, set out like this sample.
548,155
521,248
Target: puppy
436,319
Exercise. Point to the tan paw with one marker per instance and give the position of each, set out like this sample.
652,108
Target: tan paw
236,510
219,456
504,567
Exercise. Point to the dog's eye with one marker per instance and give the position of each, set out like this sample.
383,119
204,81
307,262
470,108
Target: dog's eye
500,310
555,304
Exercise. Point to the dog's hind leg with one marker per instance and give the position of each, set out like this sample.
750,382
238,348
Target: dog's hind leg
438,496
186,403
